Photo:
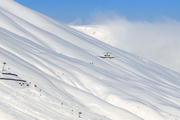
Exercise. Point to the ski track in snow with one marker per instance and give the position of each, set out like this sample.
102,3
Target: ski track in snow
57,59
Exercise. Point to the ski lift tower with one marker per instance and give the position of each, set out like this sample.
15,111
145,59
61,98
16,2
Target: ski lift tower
3,66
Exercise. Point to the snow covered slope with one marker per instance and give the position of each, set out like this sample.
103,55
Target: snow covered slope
60,81
96,31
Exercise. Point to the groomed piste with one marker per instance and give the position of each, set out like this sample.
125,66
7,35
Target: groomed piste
55,61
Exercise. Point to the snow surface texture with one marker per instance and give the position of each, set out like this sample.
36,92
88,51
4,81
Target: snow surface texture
55,61
156,41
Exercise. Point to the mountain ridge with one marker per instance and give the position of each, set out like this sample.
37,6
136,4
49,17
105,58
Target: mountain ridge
57,59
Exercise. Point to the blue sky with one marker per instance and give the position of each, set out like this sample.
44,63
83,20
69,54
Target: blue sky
67,11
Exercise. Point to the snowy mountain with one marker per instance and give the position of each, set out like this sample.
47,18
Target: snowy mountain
95,31
67,80
156,41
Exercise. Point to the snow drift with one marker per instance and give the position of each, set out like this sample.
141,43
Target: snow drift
156,41
60,81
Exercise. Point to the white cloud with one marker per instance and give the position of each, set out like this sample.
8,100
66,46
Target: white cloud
78,21
157,41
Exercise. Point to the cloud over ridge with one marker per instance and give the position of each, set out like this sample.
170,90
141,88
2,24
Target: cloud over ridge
157,41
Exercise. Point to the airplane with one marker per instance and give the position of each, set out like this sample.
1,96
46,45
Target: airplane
107,55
